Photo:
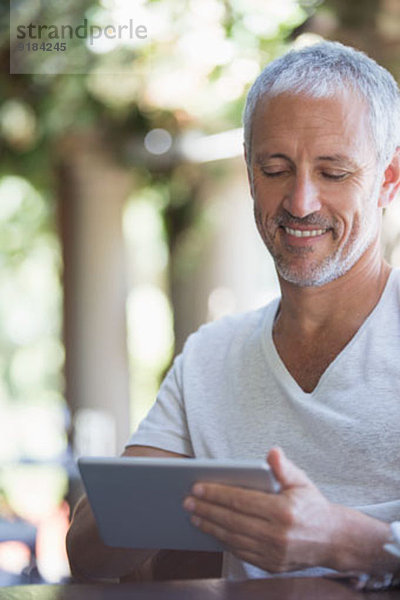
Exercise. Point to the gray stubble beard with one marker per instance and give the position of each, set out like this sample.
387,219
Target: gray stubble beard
330,268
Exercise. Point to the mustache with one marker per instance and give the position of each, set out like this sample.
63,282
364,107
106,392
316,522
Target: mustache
285,219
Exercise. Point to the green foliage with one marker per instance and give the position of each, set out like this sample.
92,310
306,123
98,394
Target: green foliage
125,106
191,75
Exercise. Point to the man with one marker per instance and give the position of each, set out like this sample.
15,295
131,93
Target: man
316,371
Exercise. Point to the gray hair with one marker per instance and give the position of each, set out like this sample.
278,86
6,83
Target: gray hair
323,70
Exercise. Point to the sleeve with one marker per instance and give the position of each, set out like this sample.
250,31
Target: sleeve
165,426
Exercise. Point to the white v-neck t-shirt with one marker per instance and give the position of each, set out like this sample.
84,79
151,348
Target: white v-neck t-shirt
229,395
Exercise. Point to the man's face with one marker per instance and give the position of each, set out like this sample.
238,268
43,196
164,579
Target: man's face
313,177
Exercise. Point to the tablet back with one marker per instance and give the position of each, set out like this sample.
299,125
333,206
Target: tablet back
137,502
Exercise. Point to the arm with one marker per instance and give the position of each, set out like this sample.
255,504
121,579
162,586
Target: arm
91,560
295,529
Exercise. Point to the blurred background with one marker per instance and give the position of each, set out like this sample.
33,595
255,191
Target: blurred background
125,223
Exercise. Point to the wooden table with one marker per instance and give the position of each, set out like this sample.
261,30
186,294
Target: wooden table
210,589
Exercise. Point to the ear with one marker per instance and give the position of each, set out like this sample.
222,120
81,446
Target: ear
391,181
249,176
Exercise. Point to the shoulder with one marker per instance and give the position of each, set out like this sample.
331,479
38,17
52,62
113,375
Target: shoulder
227,330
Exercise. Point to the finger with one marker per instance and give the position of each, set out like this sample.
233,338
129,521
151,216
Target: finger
228,538
244,501
258,529
286,472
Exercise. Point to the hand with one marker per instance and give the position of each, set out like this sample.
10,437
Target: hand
276,532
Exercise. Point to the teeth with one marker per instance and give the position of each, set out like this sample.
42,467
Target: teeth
304,233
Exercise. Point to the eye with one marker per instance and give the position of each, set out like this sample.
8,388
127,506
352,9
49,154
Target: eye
336,176
274,173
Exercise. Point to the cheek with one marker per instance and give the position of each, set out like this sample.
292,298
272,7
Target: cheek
257,190
265,226
354,218
266,197
262,216
262,186
258,217
352,233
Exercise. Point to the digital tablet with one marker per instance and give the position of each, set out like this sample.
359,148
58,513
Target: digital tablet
137,502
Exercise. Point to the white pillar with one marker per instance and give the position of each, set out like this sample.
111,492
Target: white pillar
92,192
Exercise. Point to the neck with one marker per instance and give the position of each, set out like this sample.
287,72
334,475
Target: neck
342,303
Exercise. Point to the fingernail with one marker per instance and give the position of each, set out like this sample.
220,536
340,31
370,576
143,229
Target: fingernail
195,520
189,504
198,490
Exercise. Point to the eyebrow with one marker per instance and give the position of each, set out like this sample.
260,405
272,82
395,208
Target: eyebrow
340,158
334,158
262,156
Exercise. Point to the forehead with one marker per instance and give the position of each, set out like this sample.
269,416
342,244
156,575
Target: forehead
293,122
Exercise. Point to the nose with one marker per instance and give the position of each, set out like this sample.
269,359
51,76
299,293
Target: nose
302,198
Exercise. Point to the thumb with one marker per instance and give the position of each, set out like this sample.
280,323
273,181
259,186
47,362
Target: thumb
285,471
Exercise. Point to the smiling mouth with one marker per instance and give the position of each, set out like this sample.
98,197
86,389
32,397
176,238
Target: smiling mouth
304,233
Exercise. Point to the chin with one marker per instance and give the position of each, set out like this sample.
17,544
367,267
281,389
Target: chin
312,276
